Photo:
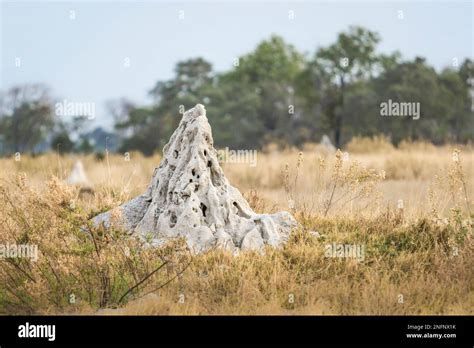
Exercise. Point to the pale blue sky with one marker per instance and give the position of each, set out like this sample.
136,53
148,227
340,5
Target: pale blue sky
83,59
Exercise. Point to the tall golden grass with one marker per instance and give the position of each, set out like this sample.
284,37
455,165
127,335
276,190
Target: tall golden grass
410,208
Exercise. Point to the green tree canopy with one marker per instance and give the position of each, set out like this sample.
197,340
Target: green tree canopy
26,117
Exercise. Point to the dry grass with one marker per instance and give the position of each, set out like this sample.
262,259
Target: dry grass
409,207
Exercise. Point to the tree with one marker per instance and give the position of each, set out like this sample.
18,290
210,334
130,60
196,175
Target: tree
350,59
454,97
437,94
85,146
270,72
62,143
149,128
25,116
233,114
466,74
273,94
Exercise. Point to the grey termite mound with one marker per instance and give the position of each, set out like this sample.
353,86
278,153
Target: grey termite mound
189,196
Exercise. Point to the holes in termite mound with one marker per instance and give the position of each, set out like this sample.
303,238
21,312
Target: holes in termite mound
173,219
207,138
203,209
240,212
175,153
214,178
209,164
193,172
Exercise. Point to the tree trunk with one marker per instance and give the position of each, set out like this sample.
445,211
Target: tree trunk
339,115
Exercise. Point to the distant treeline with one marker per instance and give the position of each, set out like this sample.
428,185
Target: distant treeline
277,94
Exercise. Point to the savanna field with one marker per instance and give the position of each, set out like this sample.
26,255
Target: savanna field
410,208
